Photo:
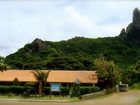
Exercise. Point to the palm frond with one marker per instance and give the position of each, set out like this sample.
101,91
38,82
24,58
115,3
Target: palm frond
41,75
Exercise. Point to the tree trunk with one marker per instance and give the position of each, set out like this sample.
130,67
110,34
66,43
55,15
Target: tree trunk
40,88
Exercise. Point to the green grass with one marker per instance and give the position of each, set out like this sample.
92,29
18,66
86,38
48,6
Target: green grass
136,85
138,102
44,98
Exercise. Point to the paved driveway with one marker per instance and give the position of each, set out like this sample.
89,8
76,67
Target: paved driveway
126,98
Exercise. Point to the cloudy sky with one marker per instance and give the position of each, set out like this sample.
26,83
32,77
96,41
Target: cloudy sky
21,21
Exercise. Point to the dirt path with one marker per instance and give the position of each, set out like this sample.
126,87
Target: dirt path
126,98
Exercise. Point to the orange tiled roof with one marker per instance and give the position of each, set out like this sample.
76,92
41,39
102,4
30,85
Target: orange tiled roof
55,76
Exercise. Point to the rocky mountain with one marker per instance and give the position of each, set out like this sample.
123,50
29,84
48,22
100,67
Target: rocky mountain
132,32
79,53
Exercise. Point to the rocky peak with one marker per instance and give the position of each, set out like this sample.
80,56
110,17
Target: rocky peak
123,33
38,40
136,16
38,45
132,32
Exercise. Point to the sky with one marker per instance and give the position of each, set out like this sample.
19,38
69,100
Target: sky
22,21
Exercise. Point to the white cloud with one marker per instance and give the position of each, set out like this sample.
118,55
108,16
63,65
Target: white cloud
76,19
22,22
78,24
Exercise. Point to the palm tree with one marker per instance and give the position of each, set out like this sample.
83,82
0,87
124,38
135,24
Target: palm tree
3,65
41,77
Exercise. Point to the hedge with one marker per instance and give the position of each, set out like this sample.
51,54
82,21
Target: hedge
88,89
64,90
136,85
46,90
83,90
23,89
16,89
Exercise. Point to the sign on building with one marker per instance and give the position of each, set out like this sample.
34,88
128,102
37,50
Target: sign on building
55,87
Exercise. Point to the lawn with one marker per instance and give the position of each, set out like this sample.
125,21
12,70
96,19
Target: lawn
138,102
38,98
136,85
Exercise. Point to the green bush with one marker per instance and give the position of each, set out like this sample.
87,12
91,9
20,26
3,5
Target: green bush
75,90
31,90
16,89
46,90
87,90
136,85
64,90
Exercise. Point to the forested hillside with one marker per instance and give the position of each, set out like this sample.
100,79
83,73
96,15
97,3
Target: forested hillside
79,53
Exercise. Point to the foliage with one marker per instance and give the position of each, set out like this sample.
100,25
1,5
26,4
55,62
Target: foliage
82,51
3,65
132,74
15,89
64,90
79,53
64,63
136,72
75,90
87,89
136,85
46,90
16,82
41,77
81,90
107,71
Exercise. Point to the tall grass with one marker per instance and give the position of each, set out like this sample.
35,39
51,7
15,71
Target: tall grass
136,85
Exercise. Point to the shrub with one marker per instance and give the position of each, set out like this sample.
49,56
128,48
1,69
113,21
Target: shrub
75,90
15,89
46,90
16,82
86,89
65,91
136,85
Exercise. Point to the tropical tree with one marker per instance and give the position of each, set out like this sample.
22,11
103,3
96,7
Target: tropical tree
3,65
133,73
41,77
108,72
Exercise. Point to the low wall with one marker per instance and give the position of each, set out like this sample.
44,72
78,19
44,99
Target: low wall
92,95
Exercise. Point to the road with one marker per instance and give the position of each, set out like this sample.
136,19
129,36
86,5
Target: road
125,98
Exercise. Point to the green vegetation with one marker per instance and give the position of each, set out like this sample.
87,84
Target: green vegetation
136,85
67,91
138,102
115,59
108,72
23,90
75,54
121,53
43,99
87,90
3,65
80,53
41,77
15,90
